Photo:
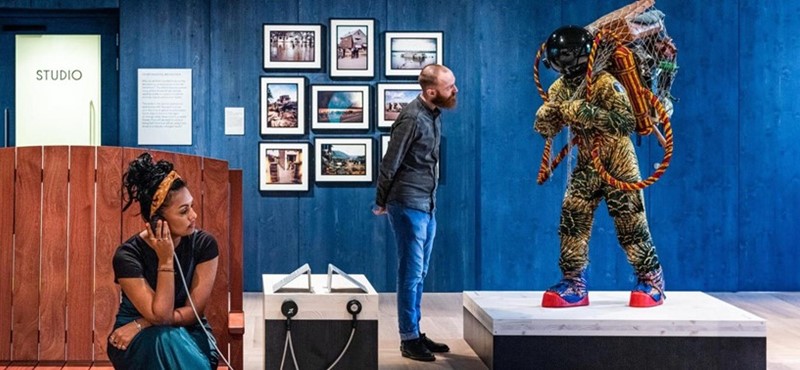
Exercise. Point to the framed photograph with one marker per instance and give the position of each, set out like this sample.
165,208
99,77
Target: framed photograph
343,160
352,48
292,46
283,166
408,52
283,105
392,98
385,144
340,107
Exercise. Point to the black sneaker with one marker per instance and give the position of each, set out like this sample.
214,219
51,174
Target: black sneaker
415,349
433,346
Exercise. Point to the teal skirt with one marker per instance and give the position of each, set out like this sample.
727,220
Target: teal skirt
167,347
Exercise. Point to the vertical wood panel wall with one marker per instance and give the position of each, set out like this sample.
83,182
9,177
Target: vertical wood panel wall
722,217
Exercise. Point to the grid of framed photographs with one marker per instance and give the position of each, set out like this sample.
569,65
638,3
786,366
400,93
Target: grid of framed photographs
342,113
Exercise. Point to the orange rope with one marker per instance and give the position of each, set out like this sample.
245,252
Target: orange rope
546,167
624,185
539,87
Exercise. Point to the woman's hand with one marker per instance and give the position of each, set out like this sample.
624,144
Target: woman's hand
161,241
123,336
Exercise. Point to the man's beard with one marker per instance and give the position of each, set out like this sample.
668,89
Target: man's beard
442,102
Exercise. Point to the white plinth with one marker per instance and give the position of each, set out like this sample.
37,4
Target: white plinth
322,304
511,330
322,326
682,314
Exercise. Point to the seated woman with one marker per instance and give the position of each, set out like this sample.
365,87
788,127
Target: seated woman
156,327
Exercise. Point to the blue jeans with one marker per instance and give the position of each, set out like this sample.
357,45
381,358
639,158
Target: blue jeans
414,231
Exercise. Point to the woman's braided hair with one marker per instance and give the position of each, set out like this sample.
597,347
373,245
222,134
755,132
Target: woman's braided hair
141,181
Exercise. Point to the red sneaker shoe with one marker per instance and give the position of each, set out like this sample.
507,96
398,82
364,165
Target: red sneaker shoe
649,290
569,292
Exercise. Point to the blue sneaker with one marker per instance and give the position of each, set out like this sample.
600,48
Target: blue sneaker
649,290
569,292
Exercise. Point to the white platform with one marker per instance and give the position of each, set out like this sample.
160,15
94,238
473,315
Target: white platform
322,304
608,314
511,330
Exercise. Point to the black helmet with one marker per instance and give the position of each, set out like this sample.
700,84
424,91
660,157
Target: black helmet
567,50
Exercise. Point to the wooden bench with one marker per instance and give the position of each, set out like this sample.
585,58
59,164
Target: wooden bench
61,220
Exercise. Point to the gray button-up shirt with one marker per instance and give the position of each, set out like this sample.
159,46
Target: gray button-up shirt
407,174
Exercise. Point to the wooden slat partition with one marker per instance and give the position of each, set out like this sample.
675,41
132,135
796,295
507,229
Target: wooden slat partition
27,235
81,246
110,166
63,223
236,265
215,221
53,260
7,170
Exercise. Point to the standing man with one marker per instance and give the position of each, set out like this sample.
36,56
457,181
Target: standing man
407,193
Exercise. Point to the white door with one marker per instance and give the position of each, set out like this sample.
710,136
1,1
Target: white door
57,90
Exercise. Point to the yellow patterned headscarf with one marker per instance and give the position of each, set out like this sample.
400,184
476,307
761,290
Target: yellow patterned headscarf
163,190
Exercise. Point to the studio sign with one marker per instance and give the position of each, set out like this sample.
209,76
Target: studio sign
58,74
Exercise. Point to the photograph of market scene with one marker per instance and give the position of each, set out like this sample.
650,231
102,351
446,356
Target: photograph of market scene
291,46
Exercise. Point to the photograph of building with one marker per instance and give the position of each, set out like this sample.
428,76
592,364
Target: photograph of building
282,110
353,47
284,166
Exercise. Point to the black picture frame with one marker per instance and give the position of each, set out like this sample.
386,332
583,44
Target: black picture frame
343,159
340,107
282,105
283,166
292,46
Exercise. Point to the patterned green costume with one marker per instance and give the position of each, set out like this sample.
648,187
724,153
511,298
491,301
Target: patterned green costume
609,115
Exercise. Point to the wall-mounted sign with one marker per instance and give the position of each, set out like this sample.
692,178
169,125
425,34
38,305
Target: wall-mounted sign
165,106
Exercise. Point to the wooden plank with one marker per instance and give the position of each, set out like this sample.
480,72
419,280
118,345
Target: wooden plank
7,168
53,276
27,232
190,167
236,264
216,216
131,219
81,246
109,235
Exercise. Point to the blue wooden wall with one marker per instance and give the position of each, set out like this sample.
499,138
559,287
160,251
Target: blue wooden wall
724,217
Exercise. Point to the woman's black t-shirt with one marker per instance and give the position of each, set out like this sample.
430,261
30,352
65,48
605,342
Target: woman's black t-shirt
136,259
